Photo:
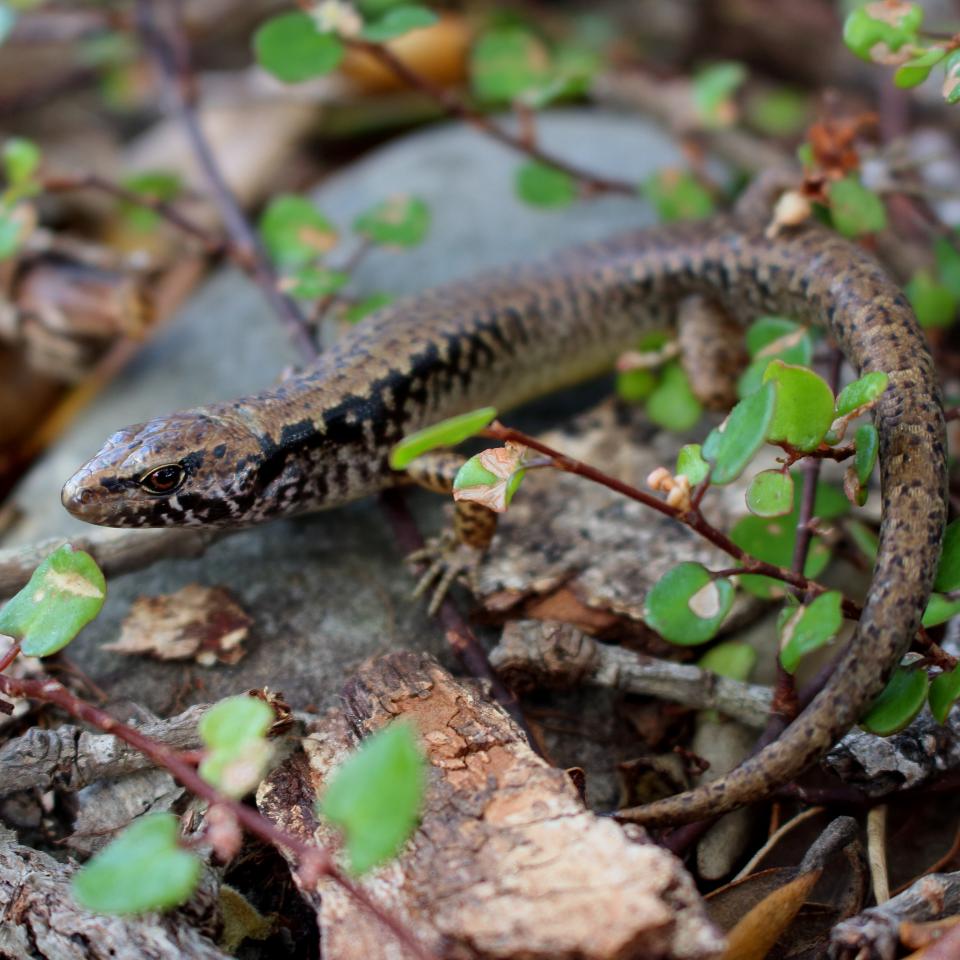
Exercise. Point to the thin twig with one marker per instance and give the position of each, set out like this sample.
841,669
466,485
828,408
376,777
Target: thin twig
457,107
169,53
314,861
164,209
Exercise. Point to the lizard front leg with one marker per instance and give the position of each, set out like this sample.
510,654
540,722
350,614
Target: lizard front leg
455,553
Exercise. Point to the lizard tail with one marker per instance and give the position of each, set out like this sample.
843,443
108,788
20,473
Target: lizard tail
875,327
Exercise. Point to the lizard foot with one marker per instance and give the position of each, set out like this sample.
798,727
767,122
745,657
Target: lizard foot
448,560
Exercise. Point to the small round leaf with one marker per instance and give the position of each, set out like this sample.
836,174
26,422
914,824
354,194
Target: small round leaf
855,209
142,869
375,795
21,157
672,403
898,703
733,659
398,21
544,186
291,48
634,386
770,494
861,392
401,221
690,463
934,303
506,62
733,445
294,231
677,195
686,606
64,594
804,407
944,693
809,628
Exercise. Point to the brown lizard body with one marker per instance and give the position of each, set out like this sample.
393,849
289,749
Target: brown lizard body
322,438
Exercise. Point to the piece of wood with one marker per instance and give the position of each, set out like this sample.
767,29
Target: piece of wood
506,862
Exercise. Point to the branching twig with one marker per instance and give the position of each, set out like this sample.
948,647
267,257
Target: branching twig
313,862
457,107
164,209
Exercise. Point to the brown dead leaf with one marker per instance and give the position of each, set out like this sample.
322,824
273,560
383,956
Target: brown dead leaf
204,624
754,936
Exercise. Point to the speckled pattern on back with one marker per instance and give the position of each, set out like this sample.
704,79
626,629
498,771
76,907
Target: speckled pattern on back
322,438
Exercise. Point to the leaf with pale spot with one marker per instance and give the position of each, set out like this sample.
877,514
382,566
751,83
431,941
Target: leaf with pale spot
770,494
64,594
295,232
237,751
809,628
400,221
687,605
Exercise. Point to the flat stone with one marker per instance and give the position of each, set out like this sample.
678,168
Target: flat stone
329,590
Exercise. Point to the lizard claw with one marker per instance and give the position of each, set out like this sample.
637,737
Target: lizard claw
448,560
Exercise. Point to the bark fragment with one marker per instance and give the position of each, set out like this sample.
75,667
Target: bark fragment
506,861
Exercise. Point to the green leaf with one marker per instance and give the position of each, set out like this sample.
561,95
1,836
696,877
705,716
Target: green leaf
153,185
855,209
773,540
543,186
368,305
400,221
810,628
235,721
951,82
371,9
899,702
21,158
311,282
934,303
233,731
142,869
865,539
690,463
634,386
733,659
948,572
773,338
804,408
915,71
939,610
474,474
874,30
733,445
291,48
782,112
294,231
507,61
398,21
686,606
376,794
672,404
770,494
677,195
861,392
64,594
944,693
866,442
948,264
713,88
447,433
11,234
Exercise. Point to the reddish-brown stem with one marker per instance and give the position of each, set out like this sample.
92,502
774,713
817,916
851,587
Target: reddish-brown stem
454,106
313,861
9,657
169,53
93,181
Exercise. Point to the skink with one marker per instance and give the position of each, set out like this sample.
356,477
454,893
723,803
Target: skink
322,438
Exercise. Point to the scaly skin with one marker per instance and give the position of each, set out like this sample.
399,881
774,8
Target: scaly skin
322,438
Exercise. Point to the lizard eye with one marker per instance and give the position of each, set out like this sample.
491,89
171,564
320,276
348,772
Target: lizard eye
163,479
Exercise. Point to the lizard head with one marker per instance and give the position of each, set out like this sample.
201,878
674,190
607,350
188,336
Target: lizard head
182,470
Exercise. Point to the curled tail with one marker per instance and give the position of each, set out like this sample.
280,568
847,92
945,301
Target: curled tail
845,290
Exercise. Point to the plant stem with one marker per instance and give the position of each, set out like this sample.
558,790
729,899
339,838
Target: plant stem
457,107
